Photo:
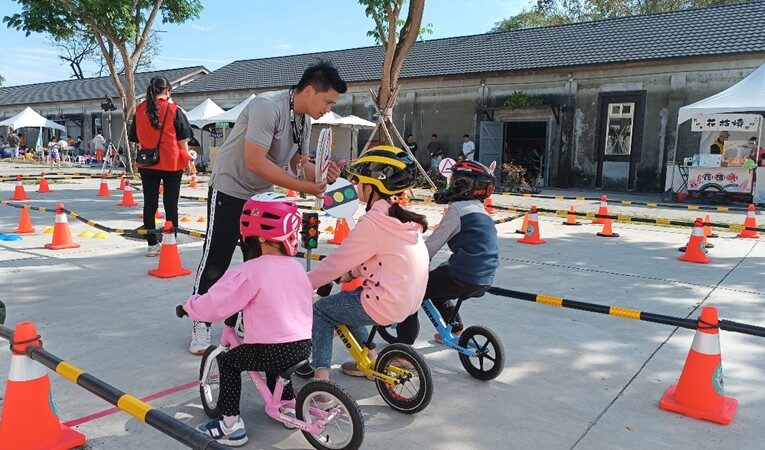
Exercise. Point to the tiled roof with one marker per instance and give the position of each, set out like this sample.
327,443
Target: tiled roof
85,89
696,32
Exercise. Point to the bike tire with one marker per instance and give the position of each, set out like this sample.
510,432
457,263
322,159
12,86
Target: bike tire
207,393
471,335
333,393
422,380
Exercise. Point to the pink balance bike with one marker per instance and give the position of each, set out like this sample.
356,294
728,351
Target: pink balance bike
328,416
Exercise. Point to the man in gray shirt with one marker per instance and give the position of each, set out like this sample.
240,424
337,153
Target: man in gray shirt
270,134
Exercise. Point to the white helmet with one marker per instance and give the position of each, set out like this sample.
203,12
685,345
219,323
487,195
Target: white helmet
193,155
270,196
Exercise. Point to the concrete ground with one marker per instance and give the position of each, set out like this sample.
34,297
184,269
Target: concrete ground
572,379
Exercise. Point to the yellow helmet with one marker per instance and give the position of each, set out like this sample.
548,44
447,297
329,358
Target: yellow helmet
388,168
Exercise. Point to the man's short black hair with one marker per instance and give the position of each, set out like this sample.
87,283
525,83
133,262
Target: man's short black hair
409,135
323,76
434,135
466,135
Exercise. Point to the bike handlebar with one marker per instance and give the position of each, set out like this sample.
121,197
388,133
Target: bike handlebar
180,312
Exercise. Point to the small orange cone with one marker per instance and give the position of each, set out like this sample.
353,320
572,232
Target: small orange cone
488,205
44,188
291,193
169,259
603,210
699,391
127,196
708,228
202,219
695,251
532,230
749,222
329,229
404,200
341,232
193,181
607,232
351,285
123,178
571,217
62,235
29,421
25,223
19,193
103,189
524,225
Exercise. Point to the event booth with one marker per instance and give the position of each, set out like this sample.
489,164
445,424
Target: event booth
29,118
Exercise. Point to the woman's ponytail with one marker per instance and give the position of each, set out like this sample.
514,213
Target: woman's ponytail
156,86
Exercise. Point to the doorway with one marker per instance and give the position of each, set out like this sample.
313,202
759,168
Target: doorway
526,143
619,138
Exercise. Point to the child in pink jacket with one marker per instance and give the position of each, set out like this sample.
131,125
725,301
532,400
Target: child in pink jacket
275,297
385,250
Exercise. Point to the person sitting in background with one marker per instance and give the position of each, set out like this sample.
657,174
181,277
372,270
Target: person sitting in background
757,153
718,146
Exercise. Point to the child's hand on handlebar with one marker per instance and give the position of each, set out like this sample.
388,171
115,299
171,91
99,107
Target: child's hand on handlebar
180,312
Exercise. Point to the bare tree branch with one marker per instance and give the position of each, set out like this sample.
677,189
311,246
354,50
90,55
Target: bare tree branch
145,33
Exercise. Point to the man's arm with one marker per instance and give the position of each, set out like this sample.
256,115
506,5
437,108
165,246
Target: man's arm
256,160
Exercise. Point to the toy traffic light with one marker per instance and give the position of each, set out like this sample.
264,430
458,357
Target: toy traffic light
310,230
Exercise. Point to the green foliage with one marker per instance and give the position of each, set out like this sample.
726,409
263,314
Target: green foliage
380,10
561,12
2,80
520,99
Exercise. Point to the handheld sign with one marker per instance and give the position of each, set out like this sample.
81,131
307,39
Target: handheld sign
341,200
445,168
323,153
492,166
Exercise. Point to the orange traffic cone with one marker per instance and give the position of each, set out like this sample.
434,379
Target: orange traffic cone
161,187
341,232
532,229
695,251
603,210
123,178
169,259
19,193
352,285
25,223
571,217
607,232
708,228
749,222
488,205
127,196
699,391
193,181
62,236
44,188
291,193
103,189
28,419
524,225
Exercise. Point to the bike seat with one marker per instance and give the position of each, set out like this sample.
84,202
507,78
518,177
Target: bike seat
474,294
288,372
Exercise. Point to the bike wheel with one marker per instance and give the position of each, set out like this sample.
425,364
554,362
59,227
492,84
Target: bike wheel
320,399
415,389
490,354
209,386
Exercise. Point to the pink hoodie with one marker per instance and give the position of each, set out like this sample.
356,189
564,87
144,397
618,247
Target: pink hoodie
273,292
389,256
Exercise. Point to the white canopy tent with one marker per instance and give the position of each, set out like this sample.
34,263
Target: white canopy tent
30,119
748,95
349,137
225,116
206,109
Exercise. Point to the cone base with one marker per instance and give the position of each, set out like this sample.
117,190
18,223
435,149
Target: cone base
706,260
62,246
104,194
722,416
520,232
572,224
173,274
40,191
19,198
608,235
127,205
525,241
708,245
25,231
748,236
713,235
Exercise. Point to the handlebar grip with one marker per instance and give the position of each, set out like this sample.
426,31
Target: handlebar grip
180,312
324,291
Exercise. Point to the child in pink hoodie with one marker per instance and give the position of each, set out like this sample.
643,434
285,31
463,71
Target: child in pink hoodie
275,297
385,249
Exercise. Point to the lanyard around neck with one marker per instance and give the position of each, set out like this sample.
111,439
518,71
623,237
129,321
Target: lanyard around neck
297,133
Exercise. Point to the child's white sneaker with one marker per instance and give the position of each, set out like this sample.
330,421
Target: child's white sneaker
236,436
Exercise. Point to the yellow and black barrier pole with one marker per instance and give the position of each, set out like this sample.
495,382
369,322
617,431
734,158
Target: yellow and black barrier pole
126,402
625,313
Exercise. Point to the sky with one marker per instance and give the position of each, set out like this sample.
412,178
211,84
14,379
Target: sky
230,30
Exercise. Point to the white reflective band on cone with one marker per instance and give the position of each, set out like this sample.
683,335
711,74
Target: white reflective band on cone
18,183
533,217
705,343
61,218
697,231
168,239
25,369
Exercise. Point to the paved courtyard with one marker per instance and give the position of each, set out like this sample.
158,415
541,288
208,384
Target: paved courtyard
572,379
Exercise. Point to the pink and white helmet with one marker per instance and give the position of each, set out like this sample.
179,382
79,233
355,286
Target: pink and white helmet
272,217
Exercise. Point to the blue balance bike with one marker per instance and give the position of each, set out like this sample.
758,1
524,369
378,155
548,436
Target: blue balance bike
480,350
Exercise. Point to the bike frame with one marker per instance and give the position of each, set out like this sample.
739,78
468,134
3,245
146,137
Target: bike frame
445,330
361,356
273,401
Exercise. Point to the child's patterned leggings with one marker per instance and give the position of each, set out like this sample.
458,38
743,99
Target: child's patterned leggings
268,358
